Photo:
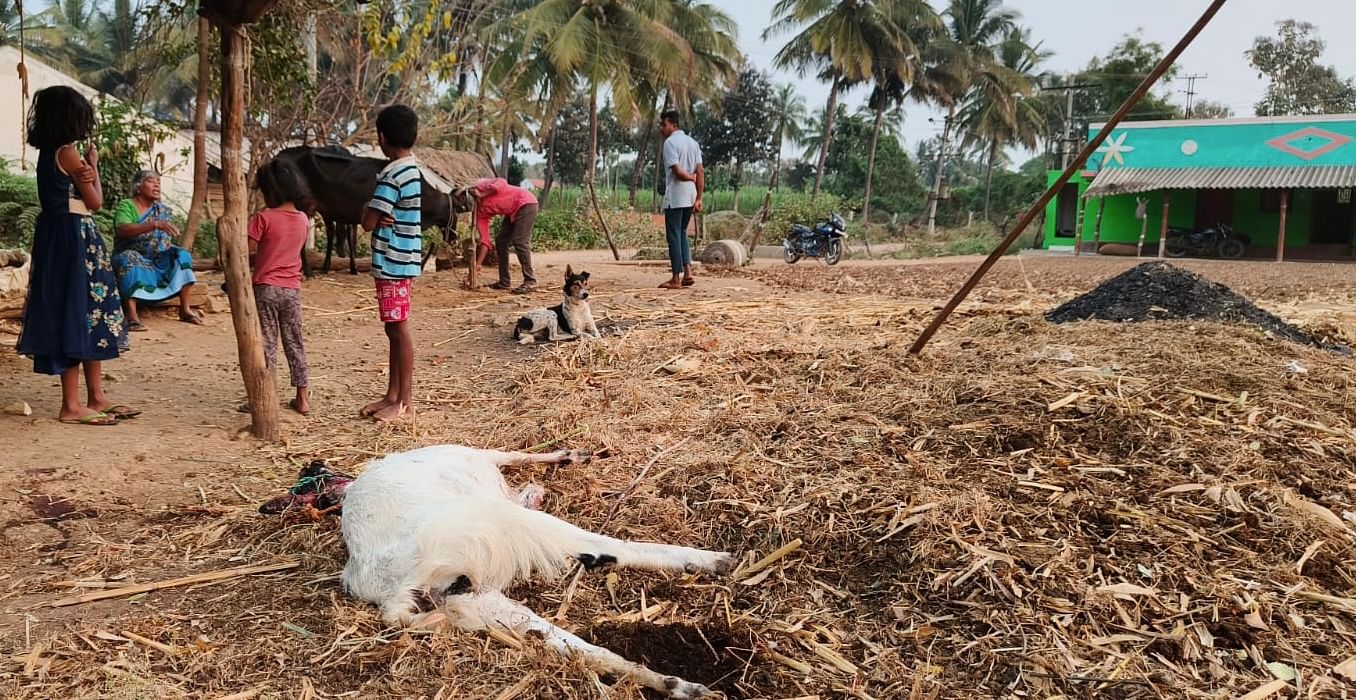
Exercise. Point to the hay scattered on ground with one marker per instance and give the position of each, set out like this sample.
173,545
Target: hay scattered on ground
1029,510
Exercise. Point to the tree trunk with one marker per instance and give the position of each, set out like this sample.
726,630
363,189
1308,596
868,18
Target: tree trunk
738,181
263,395
941,168
593,168
658,201
828,131
550,168
504,148
480,114
200,136
988,178
871,165
640,163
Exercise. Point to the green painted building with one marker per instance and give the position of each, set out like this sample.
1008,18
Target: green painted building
1249,173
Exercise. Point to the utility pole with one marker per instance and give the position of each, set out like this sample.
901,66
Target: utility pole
1066,142
1191,91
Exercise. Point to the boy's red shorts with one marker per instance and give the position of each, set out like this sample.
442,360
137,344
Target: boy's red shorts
393,300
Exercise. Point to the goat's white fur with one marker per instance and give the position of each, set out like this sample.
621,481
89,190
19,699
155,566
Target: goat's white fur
416,522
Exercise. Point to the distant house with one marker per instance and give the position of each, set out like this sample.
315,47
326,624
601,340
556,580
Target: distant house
1254,174
176,179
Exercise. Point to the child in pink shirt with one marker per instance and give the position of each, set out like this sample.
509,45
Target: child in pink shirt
277,236
496,197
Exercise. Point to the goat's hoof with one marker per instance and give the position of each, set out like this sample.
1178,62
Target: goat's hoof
680,689
719,563
577,457
428,621
593,562
526,340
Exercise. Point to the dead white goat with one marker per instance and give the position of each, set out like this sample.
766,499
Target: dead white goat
436,532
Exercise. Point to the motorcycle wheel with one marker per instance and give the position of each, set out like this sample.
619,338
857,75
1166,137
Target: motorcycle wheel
834,252
1175,249
1231,249
790,256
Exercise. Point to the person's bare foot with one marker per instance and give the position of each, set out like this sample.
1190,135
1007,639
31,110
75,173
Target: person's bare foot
672,284
390,413
371,409
300,405
688,281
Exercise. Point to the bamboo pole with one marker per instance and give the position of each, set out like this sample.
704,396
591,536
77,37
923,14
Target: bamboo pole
1280,235
1068,174
249,339
208,577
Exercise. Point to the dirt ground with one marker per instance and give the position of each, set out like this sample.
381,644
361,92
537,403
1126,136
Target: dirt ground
163,495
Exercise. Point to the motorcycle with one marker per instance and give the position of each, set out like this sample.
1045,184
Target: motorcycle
824,241
1220,240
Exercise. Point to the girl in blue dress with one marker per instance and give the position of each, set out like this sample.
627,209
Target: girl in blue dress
73,320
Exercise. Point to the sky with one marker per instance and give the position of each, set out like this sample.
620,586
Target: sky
1077,30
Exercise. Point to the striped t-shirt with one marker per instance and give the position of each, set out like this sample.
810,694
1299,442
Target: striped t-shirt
396,250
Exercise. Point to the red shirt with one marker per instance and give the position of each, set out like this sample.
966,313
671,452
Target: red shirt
496,197
280,235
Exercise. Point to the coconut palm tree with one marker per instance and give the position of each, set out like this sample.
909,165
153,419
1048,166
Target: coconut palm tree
789,106
999,111
844,42
608,43
963,58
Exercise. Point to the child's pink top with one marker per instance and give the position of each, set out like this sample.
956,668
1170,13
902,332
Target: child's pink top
496,197
280,235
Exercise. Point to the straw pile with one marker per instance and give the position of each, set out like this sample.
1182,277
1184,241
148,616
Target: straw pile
1028,511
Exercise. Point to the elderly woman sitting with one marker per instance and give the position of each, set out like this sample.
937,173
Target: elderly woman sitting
150,268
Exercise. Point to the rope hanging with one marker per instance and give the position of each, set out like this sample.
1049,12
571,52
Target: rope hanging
23,98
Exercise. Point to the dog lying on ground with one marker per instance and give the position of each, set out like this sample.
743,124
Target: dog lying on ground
571,319
436,534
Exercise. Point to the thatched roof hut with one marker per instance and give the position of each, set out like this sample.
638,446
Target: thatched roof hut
453,170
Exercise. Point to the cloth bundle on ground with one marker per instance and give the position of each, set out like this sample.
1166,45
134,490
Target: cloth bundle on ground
318,486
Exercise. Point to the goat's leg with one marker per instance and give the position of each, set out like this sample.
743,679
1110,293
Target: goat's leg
651,556
479,611
502,459
596,551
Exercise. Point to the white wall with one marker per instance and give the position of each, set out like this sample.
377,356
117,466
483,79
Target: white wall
176,180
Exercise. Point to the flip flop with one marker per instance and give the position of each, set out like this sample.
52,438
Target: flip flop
501,287
191,318
688,282
92,419
670,285
137,327
121,411
293,405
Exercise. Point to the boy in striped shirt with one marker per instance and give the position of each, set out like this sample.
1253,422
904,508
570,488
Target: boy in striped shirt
393,216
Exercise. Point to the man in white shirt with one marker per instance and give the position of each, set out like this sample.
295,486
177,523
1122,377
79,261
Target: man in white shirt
684,181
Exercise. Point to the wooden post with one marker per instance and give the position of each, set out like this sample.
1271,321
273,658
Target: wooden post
204,87
1078,226
1097,230
249,340
1163,230
1280,235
